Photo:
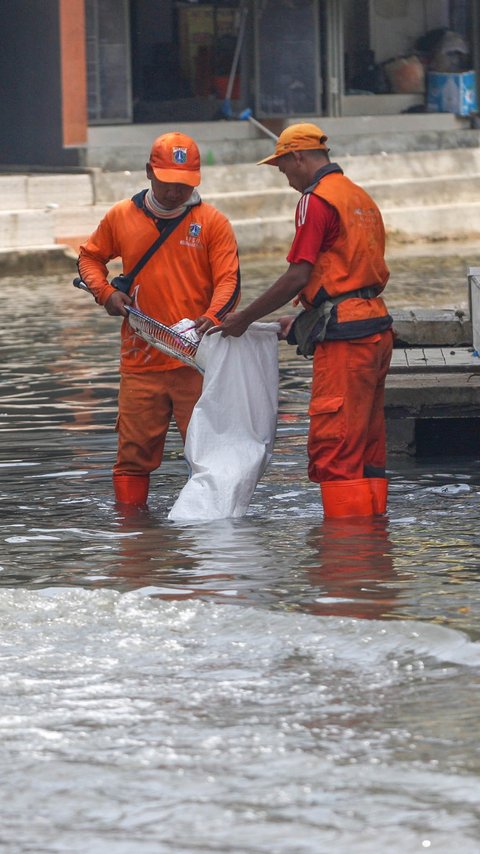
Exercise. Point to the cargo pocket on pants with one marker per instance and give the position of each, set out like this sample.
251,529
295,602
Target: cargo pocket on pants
327,417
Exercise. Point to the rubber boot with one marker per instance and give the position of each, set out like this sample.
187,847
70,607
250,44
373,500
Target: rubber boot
379,490
346,498
131,489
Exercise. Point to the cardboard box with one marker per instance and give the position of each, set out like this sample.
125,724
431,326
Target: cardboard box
452,93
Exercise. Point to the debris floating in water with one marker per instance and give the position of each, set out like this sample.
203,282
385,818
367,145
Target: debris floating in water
451,489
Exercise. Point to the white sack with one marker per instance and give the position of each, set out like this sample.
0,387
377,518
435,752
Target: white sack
231,433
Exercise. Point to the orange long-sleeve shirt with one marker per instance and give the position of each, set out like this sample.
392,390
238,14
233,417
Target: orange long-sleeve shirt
194,273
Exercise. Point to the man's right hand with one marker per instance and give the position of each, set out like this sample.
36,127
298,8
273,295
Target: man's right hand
115,304
233,324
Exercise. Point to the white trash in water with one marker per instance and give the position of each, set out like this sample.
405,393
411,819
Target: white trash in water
450,489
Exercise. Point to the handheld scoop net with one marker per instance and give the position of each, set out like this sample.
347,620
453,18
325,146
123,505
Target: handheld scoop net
164,338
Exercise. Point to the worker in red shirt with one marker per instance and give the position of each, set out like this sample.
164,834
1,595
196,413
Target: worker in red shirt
194,274
337,272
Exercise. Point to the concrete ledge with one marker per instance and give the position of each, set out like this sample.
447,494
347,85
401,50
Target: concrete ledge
37,261
405,193
13,194
436,222
225,151
405,123
79,221
127,146
442,395
38,192
59,190
251,203
19,229
144,134
261,236
430,328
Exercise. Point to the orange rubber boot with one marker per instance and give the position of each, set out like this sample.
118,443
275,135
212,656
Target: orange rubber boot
131,489
347,498
379,490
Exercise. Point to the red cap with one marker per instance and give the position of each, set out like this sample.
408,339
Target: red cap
175,158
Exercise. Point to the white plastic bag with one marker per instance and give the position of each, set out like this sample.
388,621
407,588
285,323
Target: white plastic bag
231,433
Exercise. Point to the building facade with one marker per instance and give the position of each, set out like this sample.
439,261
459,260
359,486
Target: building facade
71,64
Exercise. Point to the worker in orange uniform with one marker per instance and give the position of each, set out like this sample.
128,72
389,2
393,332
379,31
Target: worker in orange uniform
193,274
337,272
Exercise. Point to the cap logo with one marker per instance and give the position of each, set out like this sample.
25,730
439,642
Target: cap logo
180,155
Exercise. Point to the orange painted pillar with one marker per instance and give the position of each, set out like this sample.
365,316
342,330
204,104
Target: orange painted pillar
73,72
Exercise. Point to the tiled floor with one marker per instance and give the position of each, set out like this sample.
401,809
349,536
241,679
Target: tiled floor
434,359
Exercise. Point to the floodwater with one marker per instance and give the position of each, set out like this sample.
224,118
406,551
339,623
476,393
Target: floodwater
277,684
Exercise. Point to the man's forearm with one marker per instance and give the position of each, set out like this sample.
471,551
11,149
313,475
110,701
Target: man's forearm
281,292
285,289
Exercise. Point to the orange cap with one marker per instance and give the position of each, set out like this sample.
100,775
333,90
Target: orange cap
301,137
175,158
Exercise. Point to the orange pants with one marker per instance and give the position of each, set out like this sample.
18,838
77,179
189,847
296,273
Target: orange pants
346,440
146,404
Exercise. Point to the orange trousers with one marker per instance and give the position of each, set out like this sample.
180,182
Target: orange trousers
146,404
346,439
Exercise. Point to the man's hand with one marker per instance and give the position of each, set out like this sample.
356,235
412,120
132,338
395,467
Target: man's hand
234,324
282,291
115,304
286,323
202,324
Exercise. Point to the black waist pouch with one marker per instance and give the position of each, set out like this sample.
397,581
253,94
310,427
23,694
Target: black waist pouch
309,328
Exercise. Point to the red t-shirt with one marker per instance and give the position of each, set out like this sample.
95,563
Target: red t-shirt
317,227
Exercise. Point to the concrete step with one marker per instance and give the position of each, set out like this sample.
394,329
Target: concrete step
434,223
20,192
232,142
19,229
424,192
23,192
381,168
426,195
411,164
252,204
255,227
35,190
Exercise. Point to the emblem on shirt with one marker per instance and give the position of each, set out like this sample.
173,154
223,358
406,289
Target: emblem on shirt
179,155
194,229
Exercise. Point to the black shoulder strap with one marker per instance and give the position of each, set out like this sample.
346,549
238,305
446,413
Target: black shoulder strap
124,281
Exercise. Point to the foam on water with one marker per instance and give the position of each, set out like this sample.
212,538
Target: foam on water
273,685
105,614
191,720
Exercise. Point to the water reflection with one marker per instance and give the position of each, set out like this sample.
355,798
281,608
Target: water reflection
59,524
260,723
355,572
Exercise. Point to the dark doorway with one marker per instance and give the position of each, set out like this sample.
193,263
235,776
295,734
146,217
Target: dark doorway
457,437
181,58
